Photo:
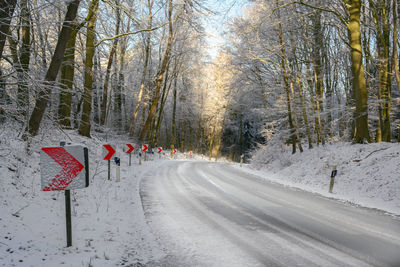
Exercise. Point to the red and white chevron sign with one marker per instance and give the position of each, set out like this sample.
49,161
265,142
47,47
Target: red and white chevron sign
174,151
63,168
130,148
159,150
145,147
108,151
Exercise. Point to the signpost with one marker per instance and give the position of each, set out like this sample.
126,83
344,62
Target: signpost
145,147
191,154
108,152
62,169
129,151
159,151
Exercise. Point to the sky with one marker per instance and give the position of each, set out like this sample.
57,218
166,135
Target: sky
216,24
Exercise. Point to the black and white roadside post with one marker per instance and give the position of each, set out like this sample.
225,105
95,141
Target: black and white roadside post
74,174
140,158
241,160
108,152
117,161
333,174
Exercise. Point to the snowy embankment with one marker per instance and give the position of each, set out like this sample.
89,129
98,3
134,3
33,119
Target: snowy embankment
368,175
108,225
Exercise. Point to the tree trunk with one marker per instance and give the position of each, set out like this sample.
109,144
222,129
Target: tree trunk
160,76
173,130
357,69
6,13
145,65
286,82
304,113
161,109
85,124
380,15
108,70
51,75
395,56
67,82
317,58
25,54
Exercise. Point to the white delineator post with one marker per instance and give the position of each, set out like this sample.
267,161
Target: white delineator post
241,160
117,169
333,174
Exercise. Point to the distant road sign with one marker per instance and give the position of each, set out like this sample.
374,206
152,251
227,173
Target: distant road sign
174,150
131,148
190,153
64,168
108,152
145,147
159,149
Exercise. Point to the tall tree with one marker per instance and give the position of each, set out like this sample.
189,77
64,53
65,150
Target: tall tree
145,65
160,77
395,55
109,65
43,96
6,12
25,54
357,69
85,123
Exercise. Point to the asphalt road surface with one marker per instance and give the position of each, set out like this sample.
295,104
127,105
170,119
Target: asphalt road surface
213,214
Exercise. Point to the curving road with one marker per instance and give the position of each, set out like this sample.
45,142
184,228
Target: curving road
212,214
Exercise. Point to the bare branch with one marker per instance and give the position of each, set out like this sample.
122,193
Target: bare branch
128,33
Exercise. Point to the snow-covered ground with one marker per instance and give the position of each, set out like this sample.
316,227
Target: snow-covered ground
368,175
108,225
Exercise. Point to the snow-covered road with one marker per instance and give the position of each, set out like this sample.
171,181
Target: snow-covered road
211,214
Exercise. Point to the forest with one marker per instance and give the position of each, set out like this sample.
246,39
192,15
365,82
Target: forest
294,73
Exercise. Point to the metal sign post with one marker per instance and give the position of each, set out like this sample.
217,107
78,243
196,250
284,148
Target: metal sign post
109,169
68,219
145,148
73,160
129,151
108,152
159,152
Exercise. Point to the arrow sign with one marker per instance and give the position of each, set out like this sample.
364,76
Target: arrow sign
190,153
131,148
174,151
159,149
110,150
61,168
145,147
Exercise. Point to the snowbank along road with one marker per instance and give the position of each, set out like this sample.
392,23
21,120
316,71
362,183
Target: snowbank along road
210,214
